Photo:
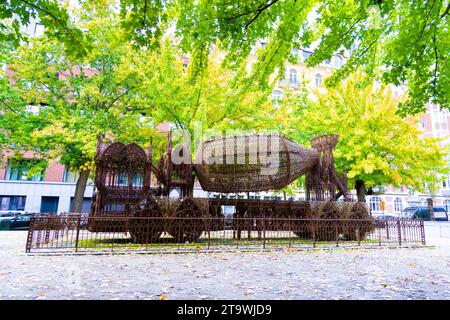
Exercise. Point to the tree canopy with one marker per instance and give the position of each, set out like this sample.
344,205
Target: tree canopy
56,106
376,146
170,93
123,75
15,14
399,41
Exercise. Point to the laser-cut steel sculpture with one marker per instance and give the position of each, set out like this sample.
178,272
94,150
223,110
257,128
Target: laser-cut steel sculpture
128,184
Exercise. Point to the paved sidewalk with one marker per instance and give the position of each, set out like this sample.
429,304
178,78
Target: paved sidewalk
321,274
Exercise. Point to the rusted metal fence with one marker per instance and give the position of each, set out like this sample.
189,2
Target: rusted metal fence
69,233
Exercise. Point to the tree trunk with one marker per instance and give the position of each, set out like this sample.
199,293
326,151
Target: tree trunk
360,190
430,208
79,191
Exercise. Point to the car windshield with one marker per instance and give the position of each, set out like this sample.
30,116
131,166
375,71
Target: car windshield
408,212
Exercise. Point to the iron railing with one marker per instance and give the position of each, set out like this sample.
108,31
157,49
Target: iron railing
59,233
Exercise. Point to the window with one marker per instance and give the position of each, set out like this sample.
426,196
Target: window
375,204
18,170
293,76
70,176
398,205
306,54
277,95
12,203
49,204
86,208
38,29
318,80
338,61
422,123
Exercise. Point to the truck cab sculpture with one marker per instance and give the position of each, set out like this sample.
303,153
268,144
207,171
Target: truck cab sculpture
125,198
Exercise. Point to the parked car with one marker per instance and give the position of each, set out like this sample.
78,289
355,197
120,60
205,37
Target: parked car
380,219
440,214
5,219
383,216
20,222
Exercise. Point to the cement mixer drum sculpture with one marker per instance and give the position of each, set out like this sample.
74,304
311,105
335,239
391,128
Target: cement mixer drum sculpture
130,187
252,163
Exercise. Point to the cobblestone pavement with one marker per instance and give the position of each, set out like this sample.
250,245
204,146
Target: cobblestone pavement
322,274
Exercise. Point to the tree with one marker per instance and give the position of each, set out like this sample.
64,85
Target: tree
403,41
72,103
15,14
376,146
171,92
125,93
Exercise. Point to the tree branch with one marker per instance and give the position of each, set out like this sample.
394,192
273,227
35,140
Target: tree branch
117,98
57,20
435,62
8,106
258,12
425,24
144,14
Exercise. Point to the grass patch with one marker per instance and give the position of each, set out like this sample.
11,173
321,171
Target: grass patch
205,243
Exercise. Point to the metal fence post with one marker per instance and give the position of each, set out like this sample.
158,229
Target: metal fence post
30,235
358,233
422,232
209,232
337,233
78,233
290,231
379,234
387,229
399,230
264,232
314,233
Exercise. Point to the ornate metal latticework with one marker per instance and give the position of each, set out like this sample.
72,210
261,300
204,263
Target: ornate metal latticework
251,163
321,180
121,181
66,233
125,199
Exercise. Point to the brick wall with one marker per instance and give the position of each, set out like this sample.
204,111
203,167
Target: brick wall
54,172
